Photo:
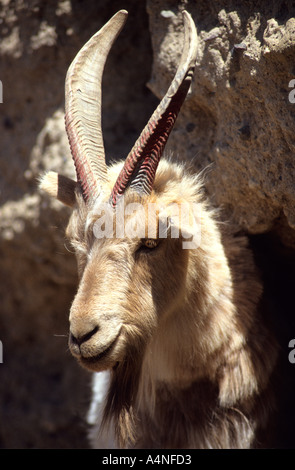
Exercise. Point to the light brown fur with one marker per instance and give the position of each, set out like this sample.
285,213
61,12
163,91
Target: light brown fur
190,357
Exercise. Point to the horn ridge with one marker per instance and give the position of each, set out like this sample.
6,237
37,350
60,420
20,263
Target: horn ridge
141,164
83,106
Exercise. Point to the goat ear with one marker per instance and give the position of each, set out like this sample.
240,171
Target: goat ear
190,232
183,221
59,187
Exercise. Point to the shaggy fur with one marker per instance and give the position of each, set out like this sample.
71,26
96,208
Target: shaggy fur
180,329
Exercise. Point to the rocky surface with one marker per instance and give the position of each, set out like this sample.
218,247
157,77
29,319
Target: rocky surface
236,123
240,114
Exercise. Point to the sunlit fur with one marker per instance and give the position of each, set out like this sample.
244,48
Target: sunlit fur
190,356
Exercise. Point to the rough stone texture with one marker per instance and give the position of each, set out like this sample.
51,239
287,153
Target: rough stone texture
239,115
237,123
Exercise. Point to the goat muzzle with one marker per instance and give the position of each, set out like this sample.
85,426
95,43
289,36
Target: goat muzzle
94,349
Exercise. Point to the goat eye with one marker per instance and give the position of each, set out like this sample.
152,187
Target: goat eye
150,242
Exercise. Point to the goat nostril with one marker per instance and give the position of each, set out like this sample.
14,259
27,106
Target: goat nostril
82,339
73,339
88,335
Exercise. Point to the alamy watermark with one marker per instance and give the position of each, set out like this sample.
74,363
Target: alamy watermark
152,220
1,352
292,92
291,356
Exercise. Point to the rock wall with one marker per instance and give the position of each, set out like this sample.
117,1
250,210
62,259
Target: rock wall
236,123
239,115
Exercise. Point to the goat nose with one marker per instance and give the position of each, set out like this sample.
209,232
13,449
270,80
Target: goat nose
83,338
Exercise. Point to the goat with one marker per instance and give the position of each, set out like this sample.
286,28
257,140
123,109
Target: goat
178,328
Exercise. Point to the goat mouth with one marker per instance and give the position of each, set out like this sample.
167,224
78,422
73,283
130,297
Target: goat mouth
94,359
